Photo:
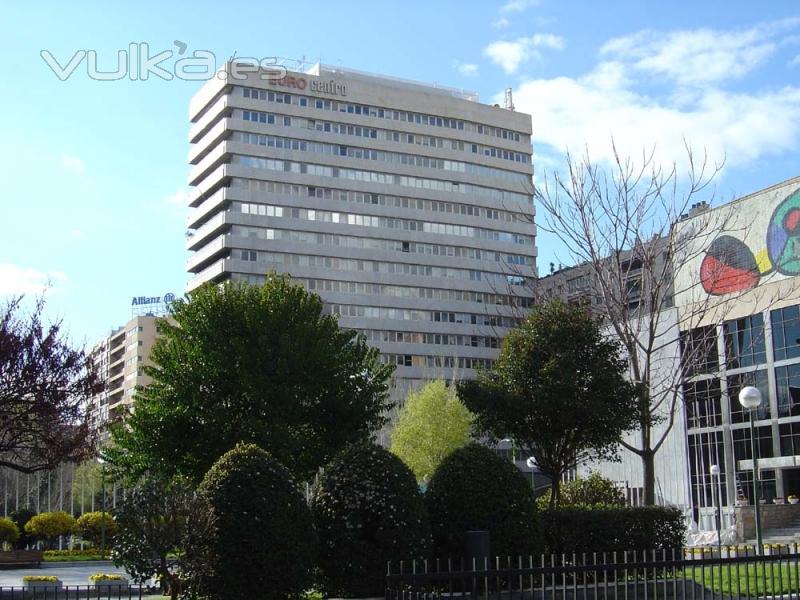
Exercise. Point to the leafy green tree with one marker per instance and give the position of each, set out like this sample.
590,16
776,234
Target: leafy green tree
432,423
93,526
558,389
49,526
9,532
594,490
257,364
259,541
152,524
21,516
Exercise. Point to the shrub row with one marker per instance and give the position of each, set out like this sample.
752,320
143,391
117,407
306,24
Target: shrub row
585,529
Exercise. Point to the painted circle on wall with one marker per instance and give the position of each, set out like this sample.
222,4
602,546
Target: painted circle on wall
728,266
783,235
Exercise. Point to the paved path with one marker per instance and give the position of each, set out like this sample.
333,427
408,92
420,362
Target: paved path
71,575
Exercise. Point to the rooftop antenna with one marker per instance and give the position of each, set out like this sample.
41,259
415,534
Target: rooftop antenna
509,103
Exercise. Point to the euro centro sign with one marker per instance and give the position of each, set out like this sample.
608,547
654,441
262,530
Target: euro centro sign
332,87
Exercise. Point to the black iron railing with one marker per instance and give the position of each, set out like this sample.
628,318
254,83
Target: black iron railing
109,591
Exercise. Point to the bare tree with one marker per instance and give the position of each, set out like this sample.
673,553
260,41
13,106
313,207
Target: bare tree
45,385
625,225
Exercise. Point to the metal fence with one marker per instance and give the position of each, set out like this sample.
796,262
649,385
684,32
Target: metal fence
732,572
77,592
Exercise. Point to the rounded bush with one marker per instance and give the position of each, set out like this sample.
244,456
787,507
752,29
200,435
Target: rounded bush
368,510
259,541
92,526
9,532
475,489
21,516
49,526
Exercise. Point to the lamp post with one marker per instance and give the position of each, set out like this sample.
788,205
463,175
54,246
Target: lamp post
531,464
750,399
717,502
102,505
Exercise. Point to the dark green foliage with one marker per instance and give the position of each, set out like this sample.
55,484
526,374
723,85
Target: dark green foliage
254,364
152,522
259,540
474,488
368,510
594,490
21,517
576,529
558,389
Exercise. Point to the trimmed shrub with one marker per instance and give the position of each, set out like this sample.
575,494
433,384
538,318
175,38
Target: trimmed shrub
49,526
583,529
474,489
93,525
259,541
368,510
594,490
9,532
21,517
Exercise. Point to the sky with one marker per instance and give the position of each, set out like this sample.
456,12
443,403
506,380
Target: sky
94,172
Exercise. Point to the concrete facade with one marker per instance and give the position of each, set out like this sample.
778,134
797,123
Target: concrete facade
407,207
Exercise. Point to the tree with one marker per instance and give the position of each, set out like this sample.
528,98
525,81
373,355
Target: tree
45,385
152,524
260,540
558,389
594,490
621,222
9,532
97,526
21,516
432,423
50,526
258,364
476,489
367,510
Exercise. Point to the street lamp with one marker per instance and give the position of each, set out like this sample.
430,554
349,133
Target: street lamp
102,505
750,399
531,464
717,502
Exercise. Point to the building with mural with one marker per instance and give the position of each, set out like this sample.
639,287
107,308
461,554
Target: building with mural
738,295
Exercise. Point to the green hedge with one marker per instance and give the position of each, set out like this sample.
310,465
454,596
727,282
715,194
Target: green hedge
475,488
584,529
368,511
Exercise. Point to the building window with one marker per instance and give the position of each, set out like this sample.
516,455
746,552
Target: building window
788,379
706,449
790,439
744,342
703,403
699,351
742,450
736,383
786,332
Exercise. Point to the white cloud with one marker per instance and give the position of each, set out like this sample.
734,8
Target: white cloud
74,164
699,56
518,5
501,23
179,198
15,280
467,69
510,55
585,112
795,62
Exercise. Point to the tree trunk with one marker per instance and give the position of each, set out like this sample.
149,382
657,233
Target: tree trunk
555,492
649,475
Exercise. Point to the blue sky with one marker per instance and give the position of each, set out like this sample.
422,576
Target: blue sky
94,172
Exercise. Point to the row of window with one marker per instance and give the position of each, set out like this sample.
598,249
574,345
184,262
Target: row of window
413,160
347,241
374,266
380,178
400,291
382,113
273,187
744,342
704,398
404,314
438,339
380,134
448,362
327,216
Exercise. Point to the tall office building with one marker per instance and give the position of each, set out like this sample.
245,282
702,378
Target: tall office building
407,207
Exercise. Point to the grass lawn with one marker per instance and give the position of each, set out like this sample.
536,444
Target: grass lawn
762,579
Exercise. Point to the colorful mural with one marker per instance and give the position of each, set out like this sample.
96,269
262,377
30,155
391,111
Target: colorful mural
729,264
